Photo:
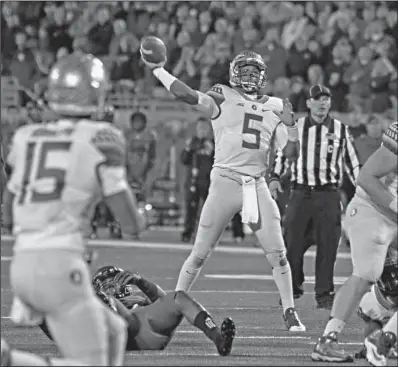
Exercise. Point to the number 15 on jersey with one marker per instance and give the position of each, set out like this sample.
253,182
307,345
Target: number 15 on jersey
42,180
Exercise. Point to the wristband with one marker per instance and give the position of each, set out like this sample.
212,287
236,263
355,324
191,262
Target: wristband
165,77
292,133
393,205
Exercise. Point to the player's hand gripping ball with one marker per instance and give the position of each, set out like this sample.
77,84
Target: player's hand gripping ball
153,52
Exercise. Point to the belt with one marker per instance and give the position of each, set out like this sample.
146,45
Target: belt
326,187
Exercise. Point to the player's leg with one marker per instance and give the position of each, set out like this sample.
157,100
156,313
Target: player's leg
198,316
379,343
269,233
117,337
223,201
73,313
369,234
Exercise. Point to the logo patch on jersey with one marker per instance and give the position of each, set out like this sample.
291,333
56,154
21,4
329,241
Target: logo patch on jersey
217,88
353,212
331,136
76,277
254,107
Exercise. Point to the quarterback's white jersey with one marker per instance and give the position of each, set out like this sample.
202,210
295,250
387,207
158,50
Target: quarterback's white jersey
58,172
245,130
389,140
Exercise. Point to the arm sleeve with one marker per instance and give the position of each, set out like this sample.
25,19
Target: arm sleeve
351,161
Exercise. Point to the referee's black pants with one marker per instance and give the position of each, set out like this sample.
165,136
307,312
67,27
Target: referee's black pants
318,207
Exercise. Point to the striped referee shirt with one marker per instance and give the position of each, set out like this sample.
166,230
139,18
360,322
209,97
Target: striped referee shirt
326,150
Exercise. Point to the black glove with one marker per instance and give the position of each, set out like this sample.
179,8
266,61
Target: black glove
126,278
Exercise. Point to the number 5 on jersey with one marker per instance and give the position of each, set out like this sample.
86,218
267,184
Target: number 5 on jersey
249,117
36,168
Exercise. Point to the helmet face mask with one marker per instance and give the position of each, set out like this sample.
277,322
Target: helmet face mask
248,71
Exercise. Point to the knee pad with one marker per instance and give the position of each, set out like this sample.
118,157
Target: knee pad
277,259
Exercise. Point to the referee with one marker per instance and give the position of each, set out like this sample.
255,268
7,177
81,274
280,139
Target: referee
326,152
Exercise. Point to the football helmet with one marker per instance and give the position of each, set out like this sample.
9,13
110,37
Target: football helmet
103,279
78,85
249,81
388,282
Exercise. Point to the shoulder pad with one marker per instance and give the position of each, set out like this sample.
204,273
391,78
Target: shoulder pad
390,138
111,144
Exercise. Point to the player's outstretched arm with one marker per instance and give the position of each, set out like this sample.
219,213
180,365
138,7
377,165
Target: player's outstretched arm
113,181
287,132
183,92
381,163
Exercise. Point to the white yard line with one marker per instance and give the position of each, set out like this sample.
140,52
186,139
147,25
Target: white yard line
7,240
308,278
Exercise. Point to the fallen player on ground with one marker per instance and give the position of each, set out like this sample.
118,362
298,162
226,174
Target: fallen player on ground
152,314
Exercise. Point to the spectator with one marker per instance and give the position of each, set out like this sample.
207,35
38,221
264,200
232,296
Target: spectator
23,64
101,33
275,56
300,58
220,39
205,23
315,75
185,69
120,32
294,28
245,23
298,95
377,39
357,77
219,71
58,32
334,73
190,26
391,25
281,87
366,144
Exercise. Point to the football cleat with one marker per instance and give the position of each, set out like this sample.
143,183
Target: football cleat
227,333
378,346
328,349
292,320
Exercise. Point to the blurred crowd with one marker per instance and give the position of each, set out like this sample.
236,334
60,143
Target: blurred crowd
350,46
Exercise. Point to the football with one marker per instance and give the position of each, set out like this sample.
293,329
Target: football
153,50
